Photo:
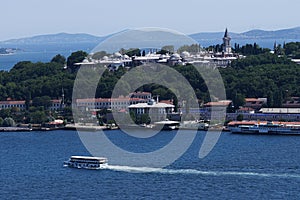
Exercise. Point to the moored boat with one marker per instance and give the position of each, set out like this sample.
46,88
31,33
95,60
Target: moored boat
86,162
276,128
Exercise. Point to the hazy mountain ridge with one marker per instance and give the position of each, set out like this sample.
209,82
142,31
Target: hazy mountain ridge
57,38
67,38
293,33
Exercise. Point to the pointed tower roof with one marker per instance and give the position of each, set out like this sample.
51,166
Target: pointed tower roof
226,33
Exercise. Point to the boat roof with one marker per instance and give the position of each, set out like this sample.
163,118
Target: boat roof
167,122
88,158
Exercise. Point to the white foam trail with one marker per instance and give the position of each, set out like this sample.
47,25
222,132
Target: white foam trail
196,172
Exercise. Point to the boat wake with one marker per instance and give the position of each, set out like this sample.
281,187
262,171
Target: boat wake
197,172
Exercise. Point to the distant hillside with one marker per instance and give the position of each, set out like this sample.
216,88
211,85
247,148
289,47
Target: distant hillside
292,34
65,38
204,38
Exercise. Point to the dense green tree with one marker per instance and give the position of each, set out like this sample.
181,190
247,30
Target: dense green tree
168,49
291,49
240,117
8,122
38,117
4,113
194,48
76,57
44,101
59,59
133,52
99,55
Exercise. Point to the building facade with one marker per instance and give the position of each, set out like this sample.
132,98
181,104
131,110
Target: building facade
156,111
116,104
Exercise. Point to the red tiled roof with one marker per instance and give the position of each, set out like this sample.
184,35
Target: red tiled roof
167,102
12,102
140,93
253,100
218,103
56,101
107,100
246,109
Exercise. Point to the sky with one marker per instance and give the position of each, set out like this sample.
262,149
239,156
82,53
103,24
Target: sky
26,18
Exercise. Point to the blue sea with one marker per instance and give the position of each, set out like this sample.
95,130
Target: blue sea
40,53
239,167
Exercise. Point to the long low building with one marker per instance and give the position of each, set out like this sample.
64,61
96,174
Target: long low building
56,104
280,110
270,114
117,104
12,104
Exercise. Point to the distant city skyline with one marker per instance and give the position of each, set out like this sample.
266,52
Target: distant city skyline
33,17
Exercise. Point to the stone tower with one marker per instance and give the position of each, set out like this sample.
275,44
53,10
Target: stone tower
226,43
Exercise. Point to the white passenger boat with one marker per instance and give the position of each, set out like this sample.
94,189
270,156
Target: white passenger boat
267,128
86,162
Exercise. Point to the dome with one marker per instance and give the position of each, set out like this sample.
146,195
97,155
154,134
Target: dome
185,54
105,58
117,54
175,56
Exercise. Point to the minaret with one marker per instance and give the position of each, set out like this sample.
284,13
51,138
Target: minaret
226,43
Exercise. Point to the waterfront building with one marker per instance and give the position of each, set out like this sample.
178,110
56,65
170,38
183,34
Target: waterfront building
156,110
255,103
243,110
12,104
56,104
293,102
116,104
269,114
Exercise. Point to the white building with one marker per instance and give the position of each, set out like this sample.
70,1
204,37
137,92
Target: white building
12,104
156,111
116,104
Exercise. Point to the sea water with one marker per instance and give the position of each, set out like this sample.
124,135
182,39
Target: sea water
40,53
239,167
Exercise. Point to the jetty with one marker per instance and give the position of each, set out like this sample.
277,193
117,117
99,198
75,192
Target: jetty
14,129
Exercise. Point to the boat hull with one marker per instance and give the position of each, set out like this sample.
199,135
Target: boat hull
264,130
84,166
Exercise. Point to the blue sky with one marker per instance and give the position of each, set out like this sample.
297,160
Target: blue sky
21,18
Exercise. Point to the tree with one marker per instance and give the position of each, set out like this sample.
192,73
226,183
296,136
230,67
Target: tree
99,55
270,98
38,117
76,57
59,59
4,113
194,48
238,100
240,117
277,102
9,122
168,48
44,101
133,52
